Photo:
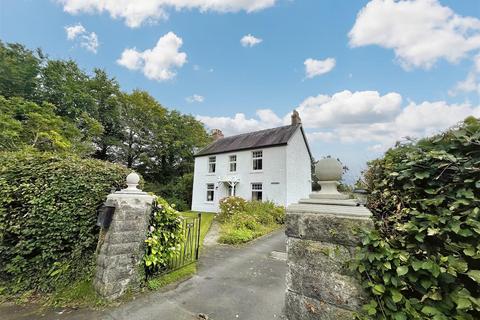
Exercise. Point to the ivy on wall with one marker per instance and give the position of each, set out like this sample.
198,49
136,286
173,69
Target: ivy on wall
422,261
165,236
48,212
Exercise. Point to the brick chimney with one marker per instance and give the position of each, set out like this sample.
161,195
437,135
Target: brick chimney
296,118
217,134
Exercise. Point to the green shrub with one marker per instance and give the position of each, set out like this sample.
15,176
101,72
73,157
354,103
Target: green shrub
423,259
165,236
237,236
244,220
48,212
230,205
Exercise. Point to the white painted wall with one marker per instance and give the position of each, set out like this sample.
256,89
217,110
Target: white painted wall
274,171
299,184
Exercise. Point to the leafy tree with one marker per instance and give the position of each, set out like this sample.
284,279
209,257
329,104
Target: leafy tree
89,114
172,153
142,118
66,86
26,124
106,94
19,68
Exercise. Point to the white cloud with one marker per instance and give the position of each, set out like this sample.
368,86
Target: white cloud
359,117
137,12
240,124
89,41
250,41
419,31
472,82
74,31
349,107
414,120
158,63
315,68
195,98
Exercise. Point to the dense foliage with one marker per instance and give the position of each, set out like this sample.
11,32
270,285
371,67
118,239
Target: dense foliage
48,212
244,220
423,259
53,105
165,236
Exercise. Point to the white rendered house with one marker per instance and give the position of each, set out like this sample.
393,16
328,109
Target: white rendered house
267,165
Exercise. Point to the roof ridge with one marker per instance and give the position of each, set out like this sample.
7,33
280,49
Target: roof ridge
251,132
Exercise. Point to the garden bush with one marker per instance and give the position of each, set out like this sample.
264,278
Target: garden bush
230,205
48,212
422,261
244,220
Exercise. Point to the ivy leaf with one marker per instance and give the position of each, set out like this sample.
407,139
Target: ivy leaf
430,311
378,289
396,296
463,303
475,275
402,270
422,175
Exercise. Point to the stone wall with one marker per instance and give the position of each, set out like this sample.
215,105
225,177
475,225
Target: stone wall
121,246
320,241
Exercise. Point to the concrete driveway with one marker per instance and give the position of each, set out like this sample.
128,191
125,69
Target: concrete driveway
246,282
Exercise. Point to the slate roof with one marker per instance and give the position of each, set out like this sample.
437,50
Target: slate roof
253,140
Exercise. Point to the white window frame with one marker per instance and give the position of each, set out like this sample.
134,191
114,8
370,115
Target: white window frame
212,165
210,188
257,155
232,162
257,187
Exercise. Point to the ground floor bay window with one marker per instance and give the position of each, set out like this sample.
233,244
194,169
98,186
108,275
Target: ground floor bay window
257,191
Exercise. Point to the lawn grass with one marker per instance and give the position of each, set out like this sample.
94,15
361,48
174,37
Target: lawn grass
207,219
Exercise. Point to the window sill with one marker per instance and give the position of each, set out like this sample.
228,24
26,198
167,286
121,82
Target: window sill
210,174
256,171
209,202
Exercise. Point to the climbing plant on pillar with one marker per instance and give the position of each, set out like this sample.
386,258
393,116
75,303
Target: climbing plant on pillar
165,236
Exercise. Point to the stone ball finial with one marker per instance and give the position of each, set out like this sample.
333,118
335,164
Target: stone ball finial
132,181
328,169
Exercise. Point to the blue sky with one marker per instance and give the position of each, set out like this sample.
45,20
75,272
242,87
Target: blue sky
401,68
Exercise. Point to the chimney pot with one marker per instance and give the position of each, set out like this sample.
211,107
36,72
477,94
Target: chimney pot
296,118
217,134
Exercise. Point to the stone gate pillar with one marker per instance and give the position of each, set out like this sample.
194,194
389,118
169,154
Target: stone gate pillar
321,238
121,245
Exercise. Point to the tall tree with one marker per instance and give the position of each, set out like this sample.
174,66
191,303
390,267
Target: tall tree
106,94
25,124
19,69
66,86
142,118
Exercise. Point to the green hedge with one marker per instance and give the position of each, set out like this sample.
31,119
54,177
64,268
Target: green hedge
48,210
423,259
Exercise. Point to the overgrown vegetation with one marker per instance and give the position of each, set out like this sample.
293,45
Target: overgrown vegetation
422,261
242,221
54,105
48,212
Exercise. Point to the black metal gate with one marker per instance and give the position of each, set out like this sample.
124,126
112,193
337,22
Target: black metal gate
191,245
